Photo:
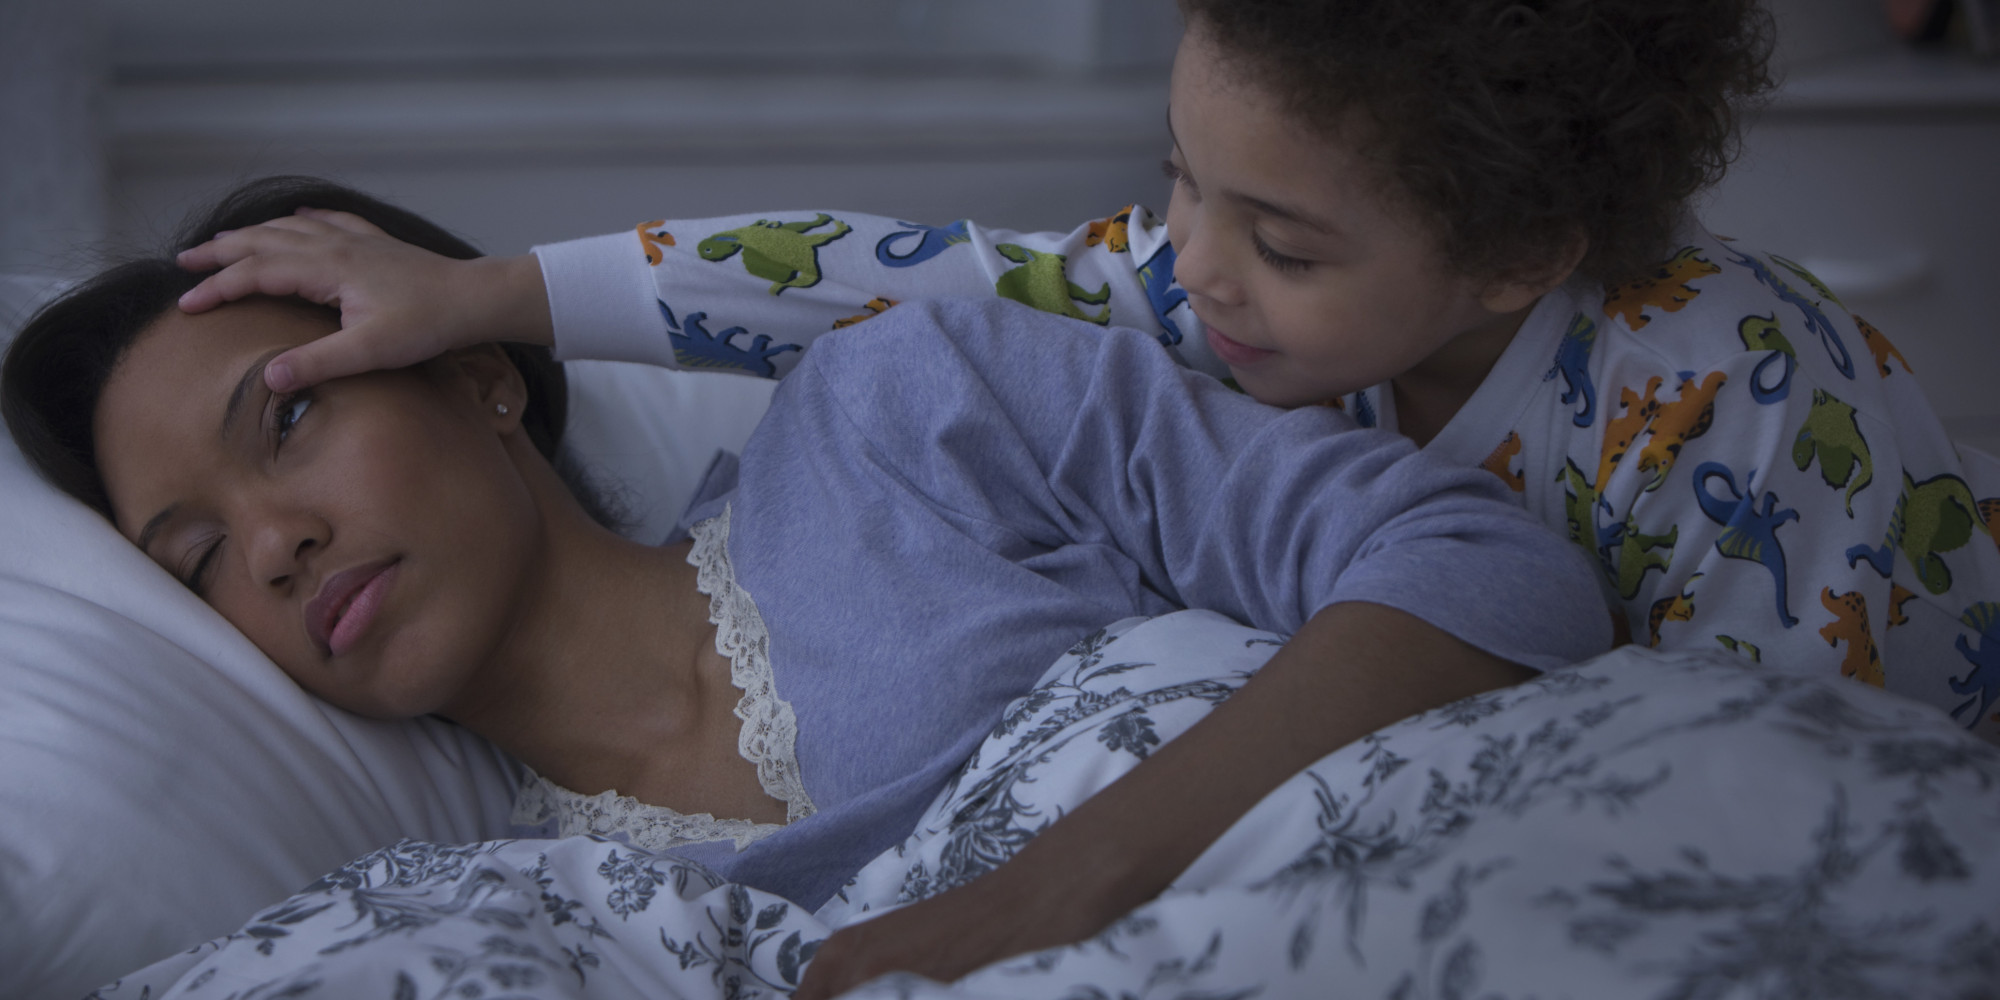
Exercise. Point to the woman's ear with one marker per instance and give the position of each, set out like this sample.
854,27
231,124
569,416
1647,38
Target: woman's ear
489,381
1520,288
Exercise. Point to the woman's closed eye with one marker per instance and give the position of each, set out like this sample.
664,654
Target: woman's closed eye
197,578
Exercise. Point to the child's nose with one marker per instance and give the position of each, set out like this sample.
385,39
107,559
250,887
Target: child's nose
1198,266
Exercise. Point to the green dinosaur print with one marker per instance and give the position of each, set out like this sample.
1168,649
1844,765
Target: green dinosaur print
1761,333
1636,556
1832,433
1579,506
1931,517
1042,282
1624,552
784,253
1735,645
1809,278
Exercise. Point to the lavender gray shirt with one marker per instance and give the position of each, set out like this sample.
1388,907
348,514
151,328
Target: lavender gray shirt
944,499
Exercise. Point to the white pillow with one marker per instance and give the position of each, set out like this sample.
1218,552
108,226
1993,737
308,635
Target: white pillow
160,779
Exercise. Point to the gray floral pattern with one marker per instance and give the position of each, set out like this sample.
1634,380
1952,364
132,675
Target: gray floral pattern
1672,826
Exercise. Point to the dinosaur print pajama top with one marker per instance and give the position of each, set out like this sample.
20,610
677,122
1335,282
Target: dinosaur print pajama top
1749,465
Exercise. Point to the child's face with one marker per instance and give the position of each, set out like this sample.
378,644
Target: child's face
1310,282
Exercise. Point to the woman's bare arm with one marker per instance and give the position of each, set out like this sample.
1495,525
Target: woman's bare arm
1352,669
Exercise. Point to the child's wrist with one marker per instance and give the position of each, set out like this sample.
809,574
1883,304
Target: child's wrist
509,291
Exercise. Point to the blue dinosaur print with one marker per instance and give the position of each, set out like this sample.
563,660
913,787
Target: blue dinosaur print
695,347
1982,682
1157,275
934,240
1364,411
1881,558
1573,364
1816,321
1762,333
1747,533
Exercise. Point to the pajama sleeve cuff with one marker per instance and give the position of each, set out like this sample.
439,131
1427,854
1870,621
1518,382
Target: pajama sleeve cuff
603,305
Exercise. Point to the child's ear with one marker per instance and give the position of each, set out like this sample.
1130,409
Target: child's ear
1517,289
489,381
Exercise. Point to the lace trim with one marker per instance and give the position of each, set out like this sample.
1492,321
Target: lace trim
770,733
653,828
768,739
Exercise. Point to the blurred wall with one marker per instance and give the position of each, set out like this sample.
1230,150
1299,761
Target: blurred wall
519,121
52,180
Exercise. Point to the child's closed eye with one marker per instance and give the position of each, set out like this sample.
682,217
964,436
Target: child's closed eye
1286,264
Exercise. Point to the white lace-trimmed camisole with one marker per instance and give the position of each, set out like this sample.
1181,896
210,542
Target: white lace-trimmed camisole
767,739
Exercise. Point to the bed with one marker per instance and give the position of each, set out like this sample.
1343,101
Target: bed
183,822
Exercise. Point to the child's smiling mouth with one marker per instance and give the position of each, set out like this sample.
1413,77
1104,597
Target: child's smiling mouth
1234,353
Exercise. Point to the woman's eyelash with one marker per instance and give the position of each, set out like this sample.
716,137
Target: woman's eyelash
1289,265
287,410
197,579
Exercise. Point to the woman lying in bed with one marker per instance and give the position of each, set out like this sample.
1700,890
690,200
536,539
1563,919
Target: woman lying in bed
918,528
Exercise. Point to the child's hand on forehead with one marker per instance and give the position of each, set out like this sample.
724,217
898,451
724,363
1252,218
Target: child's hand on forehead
399,304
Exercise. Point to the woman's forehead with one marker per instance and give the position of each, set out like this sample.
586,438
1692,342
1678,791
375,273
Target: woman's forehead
165,405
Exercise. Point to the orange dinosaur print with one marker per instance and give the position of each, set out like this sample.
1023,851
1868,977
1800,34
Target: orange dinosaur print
1501,463
1897,598
1673,608
1666,289
1850,622
1671,424
1114,232
875,306
1622,431
1879,346
653,238
1679,422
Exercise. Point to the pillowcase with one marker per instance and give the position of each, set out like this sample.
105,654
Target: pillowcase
162,779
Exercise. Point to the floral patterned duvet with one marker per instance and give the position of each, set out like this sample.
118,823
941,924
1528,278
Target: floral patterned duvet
1643,825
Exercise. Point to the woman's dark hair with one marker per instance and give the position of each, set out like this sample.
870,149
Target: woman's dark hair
59,363
1511,125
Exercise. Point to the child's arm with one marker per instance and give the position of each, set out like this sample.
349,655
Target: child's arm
741,294
748,293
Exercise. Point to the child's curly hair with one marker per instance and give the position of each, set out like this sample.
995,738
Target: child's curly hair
1512,124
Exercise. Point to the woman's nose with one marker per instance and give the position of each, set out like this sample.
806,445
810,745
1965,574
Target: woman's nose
279,544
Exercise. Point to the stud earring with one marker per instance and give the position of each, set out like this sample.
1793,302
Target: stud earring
500,408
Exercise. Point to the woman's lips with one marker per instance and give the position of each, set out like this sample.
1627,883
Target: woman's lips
1232,353
340,613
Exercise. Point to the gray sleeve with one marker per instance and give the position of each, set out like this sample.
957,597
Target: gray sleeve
1073,434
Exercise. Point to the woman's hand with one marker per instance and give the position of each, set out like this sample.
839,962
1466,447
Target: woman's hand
399,304
947,936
